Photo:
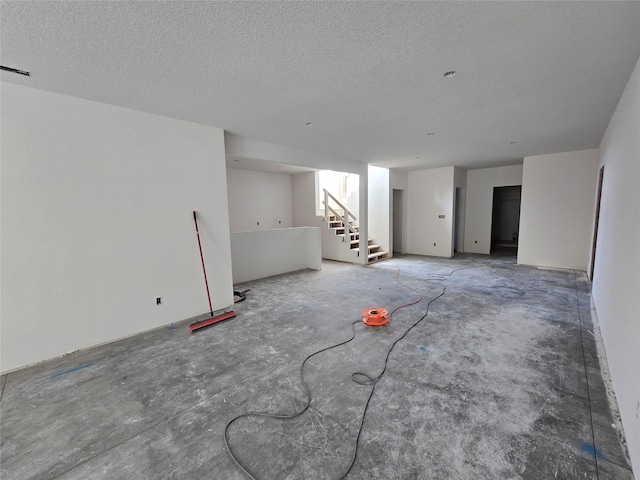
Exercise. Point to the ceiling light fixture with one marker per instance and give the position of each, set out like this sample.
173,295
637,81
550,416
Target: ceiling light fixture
308,124
450,74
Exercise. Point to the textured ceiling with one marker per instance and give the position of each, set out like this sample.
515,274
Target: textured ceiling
369,75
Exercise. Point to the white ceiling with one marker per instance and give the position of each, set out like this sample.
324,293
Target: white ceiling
369,75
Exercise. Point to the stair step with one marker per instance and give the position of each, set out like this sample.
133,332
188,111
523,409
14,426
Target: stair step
354,245
369,247
373,255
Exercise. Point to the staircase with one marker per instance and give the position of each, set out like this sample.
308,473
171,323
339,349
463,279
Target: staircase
343,225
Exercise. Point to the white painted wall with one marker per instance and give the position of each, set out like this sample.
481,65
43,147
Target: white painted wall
479,204
266,253
303,186
616,282
352,202
557,209
379,215
430,195
97,222
398,179
259,200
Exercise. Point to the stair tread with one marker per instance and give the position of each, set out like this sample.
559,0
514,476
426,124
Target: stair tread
377,259
369,247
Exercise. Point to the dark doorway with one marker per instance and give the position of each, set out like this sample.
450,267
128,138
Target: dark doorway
397,221
458,221
597,221
505,223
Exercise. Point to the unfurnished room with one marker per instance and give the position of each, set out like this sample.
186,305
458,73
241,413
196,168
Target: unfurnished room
320,240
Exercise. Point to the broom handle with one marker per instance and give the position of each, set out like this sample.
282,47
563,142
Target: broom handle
204,270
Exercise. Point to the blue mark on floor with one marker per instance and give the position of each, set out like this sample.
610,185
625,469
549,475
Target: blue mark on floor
591,449
422,349
173,327
75,369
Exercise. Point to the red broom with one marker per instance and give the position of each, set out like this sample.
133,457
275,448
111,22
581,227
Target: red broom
213,320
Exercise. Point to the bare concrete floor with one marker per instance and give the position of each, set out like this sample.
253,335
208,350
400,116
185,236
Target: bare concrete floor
500,381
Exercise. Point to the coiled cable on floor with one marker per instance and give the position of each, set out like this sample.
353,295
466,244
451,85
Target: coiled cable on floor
360,378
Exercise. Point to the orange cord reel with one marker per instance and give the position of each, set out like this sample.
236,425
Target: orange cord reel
375,316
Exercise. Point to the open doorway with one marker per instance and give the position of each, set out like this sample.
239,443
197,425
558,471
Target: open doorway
458,221
397,221
505,221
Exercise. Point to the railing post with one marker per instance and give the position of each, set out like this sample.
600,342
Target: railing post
326,205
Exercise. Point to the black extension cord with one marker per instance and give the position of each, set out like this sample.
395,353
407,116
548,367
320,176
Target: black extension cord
357,377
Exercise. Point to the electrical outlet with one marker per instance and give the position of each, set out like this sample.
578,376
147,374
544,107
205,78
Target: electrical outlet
158,300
